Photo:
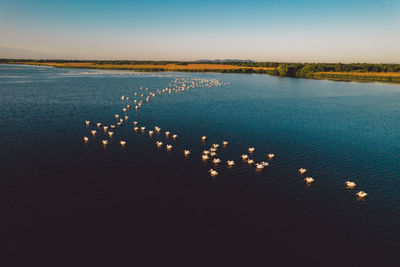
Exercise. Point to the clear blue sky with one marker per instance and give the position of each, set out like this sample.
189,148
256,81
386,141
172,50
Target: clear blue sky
279,30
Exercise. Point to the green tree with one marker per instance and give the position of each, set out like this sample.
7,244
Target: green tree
307,71
339,67
283,70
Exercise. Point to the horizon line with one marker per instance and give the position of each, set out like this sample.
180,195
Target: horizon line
199,60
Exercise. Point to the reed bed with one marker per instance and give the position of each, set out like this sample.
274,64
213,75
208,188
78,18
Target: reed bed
362,76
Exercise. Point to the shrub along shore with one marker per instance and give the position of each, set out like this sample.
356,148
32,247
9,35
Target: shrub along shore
331,71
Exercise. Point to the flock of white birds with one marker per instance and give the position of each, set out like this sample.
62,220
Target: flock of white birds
177,86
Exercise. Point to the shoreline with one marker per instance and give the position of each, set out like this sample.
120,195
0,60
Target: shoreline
381,77
194,67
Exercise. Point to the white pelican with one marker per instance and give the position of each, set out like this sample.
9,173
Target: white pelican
213,149
213,172
206,152
271,156
151,132
167,134
224,143
85,139
215,146
250,161
203,138
251,149
204,157
350,184
264,163
157,129
135,123
128,106
105,142
186,152
259,166
110,134
174,136
87,123
136,107
105,128
309,180
135,129
302,171
112,126
116,116
122,143
361,194
143,128
159,143
230,162
126,117
216,161
244,157
127,98
119,123
98,124
124,109
169,147
94,132
122,97
213,154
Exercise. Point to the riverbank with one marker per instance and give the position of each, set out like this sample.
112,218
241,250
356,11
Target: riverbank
282,70
390,77
155,67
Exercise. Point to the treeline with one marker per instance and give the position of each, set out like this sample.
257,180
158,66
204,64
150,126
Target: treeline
306,70
253,64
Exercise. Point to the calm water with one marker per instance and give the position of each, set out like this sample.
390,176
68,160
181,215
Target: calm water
62,199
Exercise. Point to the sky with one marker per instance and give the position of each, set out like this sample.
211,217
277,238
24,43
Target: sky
280,30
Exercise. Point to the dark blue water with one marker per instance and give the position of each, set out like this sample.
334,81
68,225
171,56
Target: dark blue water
64,200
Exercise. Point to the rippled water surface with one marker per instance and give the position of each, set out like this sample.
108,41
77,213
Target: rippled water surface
61,198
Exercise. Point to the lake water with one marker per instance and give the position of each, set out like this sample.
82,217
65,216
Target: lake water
63,199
